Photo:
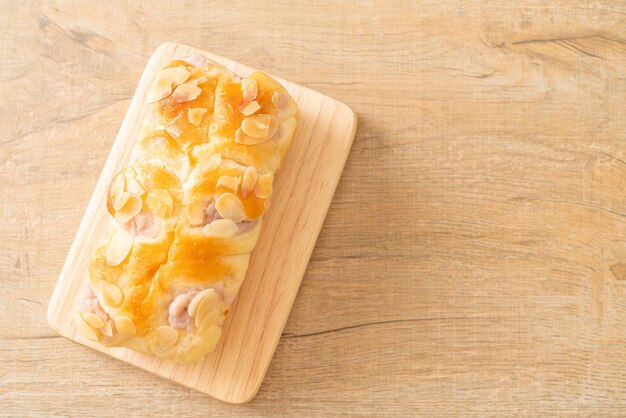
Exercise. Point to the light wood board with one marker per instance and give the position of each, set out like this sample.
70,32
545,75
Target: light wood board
472,261
303,192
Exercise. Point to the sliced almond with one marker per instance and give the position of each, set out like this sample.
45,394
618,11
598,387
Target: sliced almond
230,207
274,126
195,115
129,172
119,247
84,327
233,165
208,305
160,202
159,90
222,228
279,99
93,320
249,108
249,89
210,325
175,75
134,187
187,92
286,107
257,126
201,80
228,182
210,210
197,72
121,200
107,329
124,325
195,214
115,191
111,294
209,165
286,130
117,186
264,185
166,335
130,210
243,139
195,302
248,181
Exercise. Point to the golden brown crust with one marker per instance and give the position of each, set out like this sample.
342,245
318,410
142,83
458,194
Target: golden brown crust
186,212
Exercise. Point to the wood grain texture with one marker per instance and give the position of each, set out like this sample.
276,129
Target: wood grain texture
233,372
473,260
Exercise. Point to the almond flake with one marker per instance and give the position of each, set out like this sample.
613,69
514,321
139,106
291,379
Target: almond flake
117,186
280,100
119,247
248,181
263,186
160,202
274,126
107,329
111,294
195,214
249,108
208,304
129,210
193,305
160,89
175,75
133,186
187,92
230,207
210,164
257,126
249,89
93,320
166,335
243,139
198,71
195,115
121,201
286,130
222,228
228,182
84,327
124,325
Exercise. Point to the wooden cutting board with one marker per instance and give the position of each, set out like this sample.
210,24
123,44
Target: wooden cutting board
302,195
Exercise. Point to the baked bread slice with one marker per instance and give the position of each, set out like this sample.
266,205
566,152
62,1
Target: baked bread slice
187,211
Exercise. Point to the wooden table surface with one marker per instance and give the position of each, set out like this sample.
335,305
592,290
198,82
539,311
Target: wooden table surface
473,261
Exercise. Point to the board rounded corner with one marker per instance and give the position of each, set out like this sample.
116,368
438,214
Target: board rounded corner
245,397
165,46
350,114
354,117
50,318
